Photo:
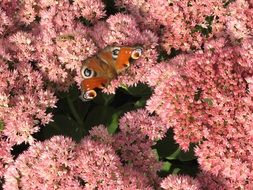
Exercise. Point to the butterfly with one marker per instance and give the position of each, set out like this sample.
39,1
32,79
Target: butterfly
99,70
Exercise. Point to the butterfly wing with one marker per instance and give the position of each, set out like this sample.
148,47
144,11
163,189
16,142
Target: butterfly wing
96,74
100,69
119,57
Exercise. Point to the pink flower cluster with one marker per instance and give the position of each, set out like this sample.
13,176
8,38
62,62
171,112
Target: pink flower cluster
179,22
23,104
95,162
207,99
49,34
205,94
59,163
179,183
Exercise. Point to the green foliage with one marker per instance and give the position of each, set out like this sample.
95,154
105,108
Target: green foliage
227,2
174,159
1,125
205,30
74,118
163,56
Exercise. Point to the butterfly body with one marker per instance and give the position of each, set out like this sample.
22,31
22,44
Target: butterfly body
99,70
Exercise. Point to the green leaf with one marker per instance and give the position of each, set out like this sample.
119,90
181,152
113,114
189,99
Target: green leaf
226,3
174,155
1,125
176,171
140,103
113,125
140,90
197,94
99,115
166,166
85,21
167,146
163,55
208,101
63,125
103,99
209,19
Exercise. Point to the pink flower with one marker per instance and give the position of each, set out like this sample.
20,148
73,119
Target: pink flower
237,21
46,165
198,99
5,152
211,182
91,10
180,183
120,29
136,149
132,143
229,159
100,133
140,121
22,109
22,44
98,165
5,22
178,19
27,12
61,163
250,84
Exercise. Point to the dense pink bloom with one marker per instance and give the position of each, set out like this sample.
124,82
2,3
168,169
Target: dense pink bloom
23,102
239,24
180,183
59,163
64,45
178,18
98,165
209,99
118,29
132,143
46,165
181,21
27,11
5,21
6,157
91,10
22,43
204,86
211,182
134,179
205,94
56,42
230,159
101,134
136,149
140,121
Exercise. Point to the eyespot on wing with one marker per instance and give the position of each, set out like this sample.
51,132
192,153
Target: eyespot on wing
125,54
88,95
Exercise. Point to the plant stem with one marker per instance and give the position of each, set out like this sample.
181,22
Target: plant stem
74,112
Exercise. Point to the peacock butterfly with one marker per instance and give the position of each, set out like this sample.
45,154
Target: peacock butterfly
99,70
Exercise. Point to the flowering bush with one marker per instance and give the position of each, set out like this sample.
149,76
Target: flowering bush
181,117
